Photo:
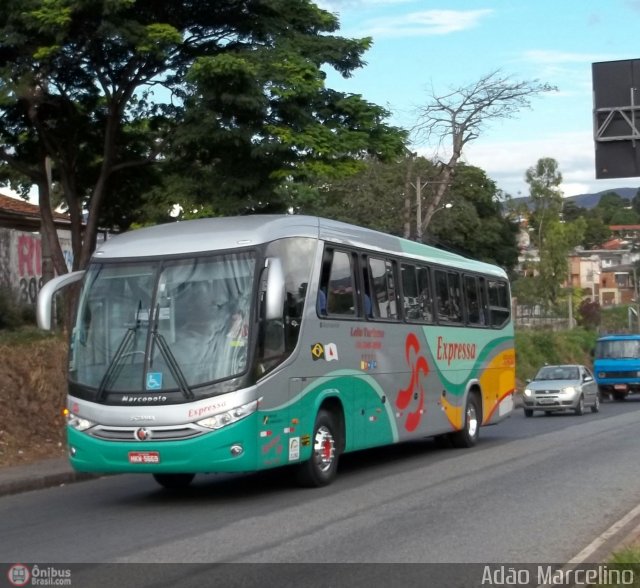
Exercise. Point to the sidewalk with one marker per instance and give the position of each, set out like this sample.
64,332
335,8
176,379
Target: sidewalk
35,476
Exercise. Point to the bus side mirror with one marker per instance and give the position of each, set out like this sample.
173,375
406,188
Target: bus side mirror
274,289
45,296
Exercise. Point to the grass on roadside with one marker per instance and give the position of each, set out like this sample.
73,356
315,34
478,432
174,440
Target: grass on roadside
25,336
627,558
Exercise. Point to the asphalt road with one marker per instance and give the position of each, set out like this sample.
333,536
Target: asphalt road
533,490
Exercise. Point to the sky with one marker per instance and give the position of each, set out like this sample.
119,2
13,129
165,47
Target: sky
420,45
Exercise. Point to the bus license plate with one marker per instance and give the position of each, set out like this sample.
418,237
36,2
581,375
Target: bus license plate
144,457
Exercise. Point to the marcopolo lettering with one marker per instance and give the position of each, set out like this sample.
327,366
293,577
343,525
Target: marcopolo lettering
143,399
451,351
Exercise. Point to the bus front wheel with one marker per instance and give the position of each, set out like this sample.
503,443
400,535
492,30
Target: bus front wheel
468,436
174,481
321,468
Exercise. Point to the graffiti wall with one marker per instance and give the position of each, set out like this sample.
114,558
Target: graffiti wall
21,262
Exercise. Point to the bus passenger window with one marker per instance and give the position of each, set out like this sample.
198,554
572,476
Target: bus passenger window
472,300
383,288
416,294
410,300
448,296
424,298
336,295
499,305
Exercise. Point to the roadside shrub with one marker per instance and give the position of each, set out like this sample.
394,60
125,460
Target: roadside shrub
589,314
15,314
10,311
534,348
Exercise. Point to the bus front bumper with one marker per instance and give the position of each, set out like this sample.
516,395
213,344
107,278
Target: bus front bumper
230,449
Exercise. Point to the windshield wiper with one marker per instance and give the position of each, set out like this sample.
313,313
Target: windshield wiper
168,357
117,356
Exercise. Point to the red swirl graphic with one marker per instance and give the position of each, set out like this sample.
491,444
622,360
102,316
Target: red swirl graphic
418,365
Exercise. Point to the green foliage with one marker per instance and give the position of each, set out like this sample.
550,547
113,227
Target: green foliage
476,224
377,195
544,181
613,209
615,319
14,314
626,558
248,105
596,231
553,268
535,347
27,335
589,314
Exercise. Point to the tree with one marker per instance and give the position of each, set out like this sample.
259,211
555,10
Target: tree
596,232
553,234
460,115
476,225
372,197
589,314
544,181
614,209
571,211
77,97
553,266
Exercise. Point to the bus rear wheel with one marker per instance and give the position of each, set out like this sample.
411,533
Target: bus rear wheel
174,481
321,468
468,436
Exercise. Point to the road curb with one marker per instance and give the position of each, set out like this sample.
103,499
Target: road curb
39,483
39,475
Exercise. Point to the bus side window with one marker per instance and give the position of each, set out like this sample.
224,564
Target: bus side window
472,301
499,305
416,294
448,296
336,293
410,297
321,300
383,288
425,298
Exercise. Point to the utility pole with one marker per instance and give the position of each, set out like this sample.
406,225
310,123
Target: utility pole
418,186
637,302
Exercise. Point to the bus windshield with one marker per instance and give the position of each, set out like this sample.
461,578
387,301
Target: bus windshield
159,326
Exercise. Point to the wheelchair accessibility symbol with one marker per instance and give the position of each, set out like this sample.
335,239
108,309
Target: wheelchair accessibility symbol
154,380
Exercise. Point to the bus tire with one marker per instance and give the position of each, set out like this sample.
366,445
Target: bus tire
468,436
321,468
174,481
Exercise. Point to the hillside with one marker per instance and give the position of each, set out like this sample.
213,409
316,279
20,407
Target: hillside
587,200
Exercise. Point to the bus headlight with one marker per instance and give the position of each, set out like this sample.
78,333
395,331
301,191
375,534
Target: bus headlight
78,423
231,416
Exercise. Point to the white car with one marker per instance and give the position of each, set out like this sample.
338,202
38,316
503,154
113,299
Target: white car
560,388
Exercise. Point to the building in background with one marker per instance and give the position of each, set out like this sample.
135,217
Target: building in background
20,247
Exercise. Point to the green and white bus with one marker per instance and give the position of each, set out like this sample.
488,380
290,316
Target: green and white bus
239,344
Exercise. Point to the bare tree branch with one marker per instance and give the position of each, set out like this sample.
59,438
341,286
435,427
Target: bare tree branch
460,115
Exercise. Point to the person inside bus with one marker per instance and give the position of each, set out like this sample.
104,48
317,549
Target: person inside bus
368,306
321,303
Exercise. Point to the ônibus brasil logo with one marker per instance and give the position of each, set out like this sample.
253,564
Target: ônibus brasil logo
19,575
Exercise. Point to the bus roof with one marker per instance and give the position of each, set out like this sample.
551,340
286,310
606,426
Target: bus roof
224,233
625,337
